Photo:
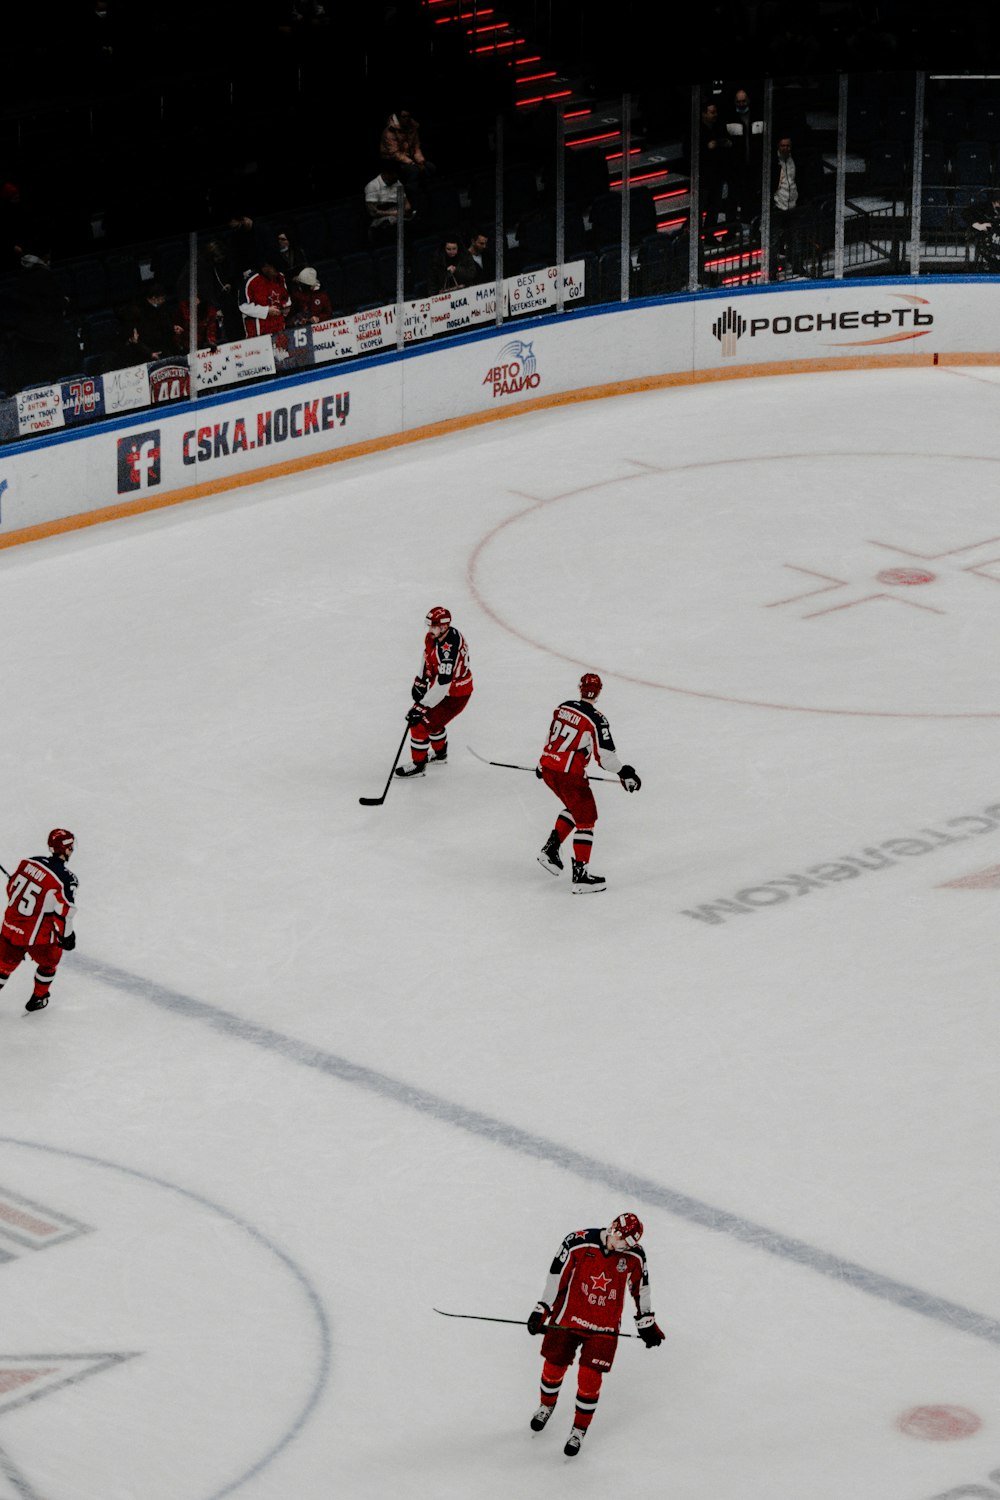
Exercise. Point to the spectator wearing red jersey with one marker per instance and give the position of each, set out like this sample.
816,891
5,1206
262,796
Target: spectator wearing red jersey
581,1309
578,732
441,690
265,299
208,325
38,921
310,304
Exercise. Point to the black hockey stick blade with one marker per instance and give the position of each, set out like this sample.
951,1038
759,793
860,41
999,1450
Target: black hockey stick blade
377,801
522,1323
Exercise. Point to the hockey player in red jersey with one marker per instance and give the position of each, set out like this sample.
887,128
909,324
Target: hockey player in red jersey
441,689
38,921
586,1287
578,732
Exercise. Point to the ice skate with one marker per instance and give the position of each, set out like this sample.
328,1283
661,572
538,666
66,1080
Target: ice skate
574,1440
585,884
439,758
549,857
37,1002
540,1418
415,768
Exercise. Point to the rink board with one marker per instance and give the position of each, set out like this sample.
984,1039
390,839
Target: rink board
164,456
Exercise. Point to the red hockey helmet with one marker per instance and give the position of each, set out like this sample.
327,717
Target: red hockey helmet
61,842
438,616
629,1226
590,686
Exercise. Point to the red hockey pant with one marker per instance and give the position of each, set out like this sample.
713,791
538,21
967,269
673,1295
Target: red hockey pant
45,955
596,1356
575,795
433,730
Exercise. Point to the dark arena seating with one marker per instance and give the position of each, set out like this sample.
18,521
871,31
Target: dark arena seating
153,162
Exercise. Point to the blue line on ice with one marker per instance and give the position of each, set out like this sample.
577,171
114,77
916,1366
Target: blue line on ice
501,1133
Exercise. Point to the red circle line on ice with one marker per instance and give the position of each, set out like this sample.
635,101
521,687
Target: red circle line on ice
905,576
645,471
939,1423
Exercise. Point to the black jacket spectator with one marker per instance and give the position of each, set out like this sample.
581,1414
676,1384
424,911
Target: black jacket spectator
43,342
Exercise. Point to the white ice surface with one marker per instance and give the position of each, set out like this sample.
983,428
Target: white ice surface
312,1068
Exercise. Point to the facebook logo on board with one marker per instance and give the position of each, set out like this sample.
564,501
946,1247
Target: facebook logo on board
138,461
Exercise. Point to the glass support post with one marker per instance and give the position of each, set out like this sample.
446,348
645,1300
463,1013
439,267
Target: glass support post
500,242
626,197
917,185
694,210
767,169
841,180
400,262
193,316
560,205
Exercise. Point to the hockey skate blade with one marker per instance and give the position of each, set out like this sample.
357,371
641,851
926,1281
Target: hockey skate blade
552,869
588,890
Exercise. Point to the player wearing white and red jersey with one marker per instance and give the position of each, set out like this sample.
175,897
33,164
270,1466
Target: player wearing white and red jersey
581,1309
579,733
441,689
38,921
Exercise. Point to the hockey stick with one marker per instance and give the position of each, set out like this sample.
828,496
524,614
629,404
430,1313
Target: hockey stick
522,1322
377,801
507,765
6,872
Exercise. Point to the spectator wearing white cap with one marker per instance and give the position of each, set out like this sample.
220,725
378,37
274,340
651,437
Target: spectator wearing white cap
310,304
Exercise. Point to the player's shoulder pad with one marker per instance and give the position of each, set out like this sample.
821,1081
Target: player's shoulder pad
61,871
578,1237
581,706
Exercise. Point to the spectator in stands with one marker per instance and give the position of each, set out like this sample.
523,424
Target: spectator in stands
451,268
44,347
790,191
400,148
247,242
16,229
291,256
154,321
127,348
478,251
99,37
217,284
266,301
310,304
208,325
380,201
985,223
745,129
715,147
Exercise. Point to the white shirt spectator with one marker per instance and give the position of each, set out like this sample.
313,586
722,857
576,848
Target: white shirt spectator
786,194
380,200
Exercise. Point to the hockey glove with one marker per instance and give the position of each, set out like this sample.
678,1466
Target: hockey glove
649,1331
629,778
537,1317
67,940
538,773
416,715
418,689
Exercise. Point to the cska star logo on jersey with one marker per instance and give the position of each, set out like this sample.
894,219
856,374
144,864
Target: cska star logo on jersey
600,1282
138,461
